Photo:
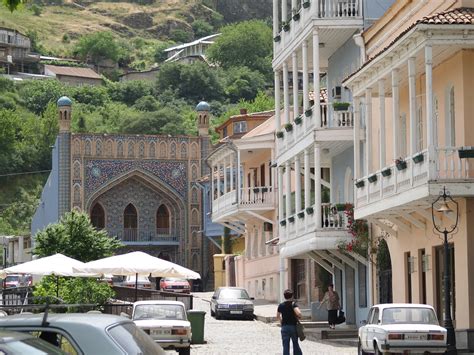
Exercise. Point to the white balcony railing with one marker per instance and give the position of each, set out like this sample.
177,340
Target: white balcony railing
415,171
261,197
306,122
158,235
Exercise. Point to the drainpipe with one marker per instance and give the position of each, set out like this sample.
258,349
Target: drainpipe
359,41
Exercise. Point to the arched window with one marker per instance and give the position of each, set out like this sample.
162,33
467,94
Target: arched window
130,217
163,220
98,216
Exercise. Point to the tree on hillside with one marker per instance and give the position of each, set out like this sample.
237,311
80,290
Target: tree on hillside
75,236
97,47
37,94
243,83
246,44
12,5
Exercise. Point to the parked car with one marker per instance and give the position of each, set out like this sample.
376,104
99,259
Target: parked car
232,302
16,343
173,284
166,322
87,333
400,327
143,282
17,280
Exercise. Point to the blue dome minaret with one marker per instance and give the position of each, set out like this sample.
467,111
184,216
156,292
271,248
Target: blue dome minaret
203,109
64,144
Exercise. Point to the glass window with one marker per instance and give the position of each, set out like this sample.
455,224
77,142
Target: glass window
159,311
233,293
134,340
240,127
98,216
362,271
375,316
31,346
407,315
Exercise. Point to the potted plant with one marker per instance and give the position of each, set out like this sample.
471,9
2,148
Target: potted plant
286,26
283,222
291,219
308,112
288,127
340,106
298,120
466,152
264,189
360,183
296,14
306,4
279,134
256,190
277,38
418,158
340,207
301,214
400,164
309,210
387,172
372,178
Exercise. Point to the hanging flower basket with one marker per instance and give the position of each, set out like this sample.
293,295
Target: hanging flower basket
372,178
340,106
401,164
306,4
279,134
277,38
286,26
291,219
308,112
296,15
288,127
387,172
418,158
360,183
283,222
309,210
301,214
298,120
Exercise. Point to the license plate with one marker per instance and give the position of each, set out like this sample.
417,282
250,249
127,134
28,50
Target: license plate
160,332
235,312
416,336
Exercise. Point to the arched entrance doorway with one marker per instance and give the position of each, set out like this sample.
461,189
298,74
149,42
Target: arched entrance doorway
384,273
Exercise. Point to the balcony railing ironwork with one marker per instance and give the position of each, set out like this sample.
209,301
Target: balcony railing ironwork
159,235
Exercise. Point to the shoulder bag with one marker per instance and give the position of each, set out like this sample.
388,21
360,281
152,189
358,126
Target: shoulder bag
299,328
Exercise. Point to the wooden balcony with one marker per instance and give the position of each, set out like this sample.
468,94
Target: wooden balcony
413,184
159,236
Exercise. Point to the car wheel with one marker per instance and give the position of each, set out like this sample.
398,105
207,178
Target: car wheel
184,351
359,349
376,350
213,314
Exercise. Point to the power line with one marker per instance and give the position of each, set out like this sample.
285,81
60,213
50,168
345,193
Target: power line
26,173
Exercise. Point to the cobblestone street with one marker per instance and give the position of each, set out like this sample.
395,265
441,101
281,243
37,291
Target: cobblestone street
251,337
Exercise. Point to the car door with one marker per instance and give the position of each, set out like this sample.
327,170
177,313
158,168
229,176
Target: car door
363,330
371,329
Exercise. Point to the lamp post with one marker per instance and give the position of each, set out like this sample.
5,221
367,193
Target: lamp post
446,202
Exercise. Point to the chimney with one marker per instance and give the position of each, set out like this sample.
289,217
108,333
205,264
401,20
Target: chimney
243,111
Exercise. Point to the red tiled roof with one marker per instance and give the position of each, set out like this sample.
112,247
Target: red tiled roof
73,71
459,16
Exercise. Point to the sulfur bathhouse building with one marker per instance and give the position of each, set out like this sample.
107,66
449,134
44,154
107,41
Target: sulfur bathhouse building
140,188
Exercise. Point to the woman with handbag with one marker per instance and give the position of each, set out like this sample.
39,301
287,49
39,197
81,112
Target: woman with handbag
332,299
288,314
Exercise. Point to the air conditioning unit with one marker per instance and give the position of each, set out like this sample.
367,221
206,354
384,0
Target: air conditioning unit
336,92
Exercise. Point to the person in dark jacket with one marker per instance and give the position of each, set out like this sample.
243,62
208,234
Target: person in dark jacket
288,314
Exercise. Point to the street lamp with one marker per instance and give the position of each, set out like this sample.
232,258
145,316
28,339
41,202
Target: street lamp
447,205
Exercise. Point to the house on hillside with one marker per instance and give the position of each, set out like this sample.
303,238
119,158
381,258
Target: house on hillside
15,52
16,249
73,75
192,51
145,75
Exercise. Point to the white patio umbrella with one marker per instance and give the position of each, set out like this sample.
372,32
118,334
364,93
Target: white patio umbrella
137,263
57,265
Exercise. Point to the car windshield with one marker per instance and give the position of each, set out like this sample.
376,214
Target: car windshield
173,279
134,340
407,315
233,293
11,278
159,311
29,346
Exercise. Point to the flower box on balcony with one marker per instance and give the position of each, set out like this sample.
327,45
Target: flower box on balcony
285,26
283,222
372,178
291,219
308,112
256,190
279,134
360,183
298,120
387,172
466,152
340,106
309,210
296,15
300,214
341,207
418,158
401,164
277,38
288,127
306,4
264,189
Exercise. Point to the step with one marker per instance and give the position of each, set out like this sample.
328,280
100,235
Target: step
339,334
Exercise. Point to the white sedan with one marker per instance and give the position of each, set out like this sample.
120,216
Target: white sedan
402,328
166,322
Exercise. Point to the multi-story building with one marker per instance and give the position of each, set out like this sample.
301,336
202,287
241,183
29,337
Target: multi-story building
15,51
314,149
16,249
244,200
192,51
413,109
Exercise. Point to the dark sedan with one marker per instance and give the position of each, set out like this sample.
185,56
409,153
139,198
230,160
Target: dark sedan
232,302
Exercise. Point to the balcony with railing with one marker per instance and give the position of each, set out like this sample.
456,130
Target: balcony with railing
158,236
258,199
412,182
321,13
333,126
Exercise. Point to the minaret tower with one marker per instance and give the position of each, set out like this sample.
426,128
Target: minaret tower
64,144
202,109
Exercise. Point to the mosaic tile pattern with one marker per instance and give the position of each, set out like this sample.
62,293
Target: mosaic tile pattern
100,172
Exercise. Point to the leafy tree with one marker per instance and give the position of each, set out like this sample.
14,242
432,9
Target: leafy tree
36,9
243,83
97,46
247,43
16,217
74,236
10,128
129,92
147,103
159,52
180,36
202,28
162,121
91,95
37,94
13,5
